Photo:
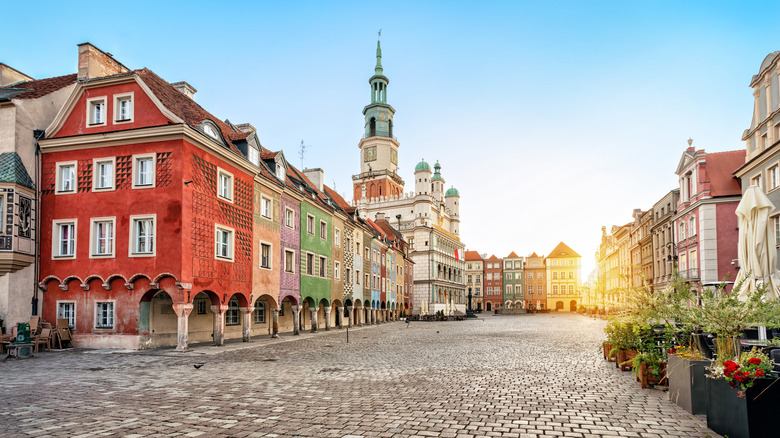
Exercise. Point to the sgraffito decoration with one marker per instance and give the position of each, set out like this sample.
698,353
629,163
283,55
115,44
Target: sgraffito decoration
48,177
124,172
164,169
85,176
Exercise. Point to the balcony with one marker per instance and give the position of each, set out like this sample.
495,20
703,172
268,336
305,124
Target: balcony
690,274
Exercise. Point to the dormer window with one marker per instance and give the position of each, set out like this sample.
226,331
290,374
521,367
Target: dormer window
254,156
123,107
280,172
210,131
96,111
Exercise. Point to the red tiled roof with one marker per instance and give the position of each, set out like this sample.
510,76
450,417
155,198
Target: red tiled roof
186,108
513,255
562,250
42,87
720,166
472,255
534,254
265,154
493,257
336,197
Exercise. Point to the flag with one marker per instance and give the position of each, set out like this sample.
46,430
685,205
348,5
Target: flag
457,254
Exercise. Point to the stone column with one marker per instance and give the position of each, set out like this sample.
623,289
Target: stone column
296,318
246,332
373,316
275,326
219,324
349,316
327,317
340,317
182,312
313,311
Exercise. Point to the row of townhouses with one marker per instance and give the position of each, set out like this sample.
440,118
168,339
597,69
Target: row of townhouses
144,221
533,282
692,229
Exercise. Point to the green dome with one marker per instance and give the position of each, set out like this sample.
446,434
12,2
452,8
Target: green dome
422,165
436,176
452,191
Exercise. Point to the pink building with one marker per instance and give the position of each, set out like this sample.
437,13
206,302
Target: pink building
705,224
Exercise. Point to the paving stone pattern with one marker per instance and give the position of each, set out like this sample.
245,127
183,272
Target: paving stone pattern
509,376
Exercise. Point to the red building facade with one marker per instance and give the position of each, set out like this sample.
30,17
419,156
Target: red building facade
494,283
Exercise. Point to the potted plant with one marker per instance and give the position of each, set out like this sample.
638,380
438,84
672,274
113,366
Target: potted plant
624,344
606,346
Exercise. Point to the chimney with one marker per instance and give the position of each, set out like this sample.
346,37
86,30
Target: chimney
95,63
380,217
185,89
246,127
10,76
316,175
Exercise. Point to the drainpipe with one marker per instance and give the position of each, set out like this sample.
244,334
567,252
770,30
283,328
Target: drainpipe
38,134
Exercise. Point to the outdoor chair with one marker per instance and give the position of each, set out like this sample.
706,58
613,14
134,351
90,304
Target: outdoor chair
44,338
35,325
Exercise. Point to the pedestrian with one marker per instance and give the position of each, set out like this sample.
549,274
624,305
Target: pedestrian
408,320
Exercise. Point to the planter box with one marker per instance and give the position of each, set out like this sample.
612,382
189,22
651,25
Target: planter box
687,383
624,355
607,348
646,378
753,416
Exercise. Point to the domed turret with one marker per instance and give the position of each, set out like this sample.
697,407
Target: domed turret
422,178
438,183
452,191
422,165
452,202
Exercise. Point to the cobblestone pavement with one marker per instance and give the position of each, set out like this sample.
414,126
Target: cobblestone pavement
509,376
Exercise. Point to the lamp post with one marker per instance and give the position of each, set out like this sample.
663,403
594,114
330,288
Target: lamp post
470,313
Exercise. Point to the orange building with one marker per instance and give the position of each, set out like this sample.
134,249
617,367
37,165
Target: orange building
535,282
494,284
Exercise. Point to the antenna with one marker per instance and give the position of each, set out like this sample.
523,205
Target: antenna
334,185
302,152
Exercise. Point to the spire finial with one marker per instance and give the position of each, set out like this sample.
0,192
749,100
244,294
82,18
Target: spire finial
378,68
690,141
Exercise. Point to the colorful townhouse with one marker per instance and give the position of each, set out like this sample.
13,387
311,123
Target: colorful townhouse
705,223
494,284
514,293
474,272
535,282
563,267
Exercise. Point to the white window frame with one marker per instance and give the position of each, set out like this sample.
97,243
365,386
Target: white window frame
231,242
337,237
292,261
112,316
323,267
266,202
289,218
56,238
133,236
96,175
233,313
58,183
323,230
773,177
259,311
310,263
681,231
309,221
337,270
270,255
220,187
756,181
118,99
137,168
91,102
72,318
93,224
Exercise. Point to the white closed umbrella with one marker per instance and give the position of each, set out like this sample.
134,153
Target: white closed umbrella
757,246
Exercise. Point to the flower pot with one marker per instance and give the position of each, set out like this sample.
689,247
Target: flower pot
753,416
646,378
607,348
687,387
624,355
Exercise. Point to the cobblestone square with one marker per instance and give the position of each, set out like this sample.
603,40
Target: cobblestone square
509,376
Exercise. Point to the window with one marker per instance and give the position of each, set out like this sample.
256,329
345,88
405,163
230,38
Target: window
555,275
289,218
571,289
259,312
773,177
254,156
530,290
366,255
223,242
508,275
102,238
692,225
310,264
468,277
539,275
357,276
337,237
66,177
104,315
367,280
280,172
64,242
143,171
555,289
347,274
289,263
123,108
530,275
208,129
571,262
202,307
479,279
265,255
142,232
681,235
67,310
322,266
538,289
232,314
96,111
776,223
756,181
509,290
225,185
103,174
571,275
265,207
310,224
336,273
323,230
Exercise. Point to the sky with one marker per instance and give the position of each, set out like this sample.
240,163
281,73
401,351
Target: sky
551,118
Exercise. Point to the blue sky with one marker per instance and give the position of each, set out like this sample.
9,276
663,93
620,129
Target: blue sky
551,118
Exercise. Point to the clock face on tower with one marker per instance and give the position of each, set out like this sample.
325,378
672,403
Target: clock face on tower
369,154
394,156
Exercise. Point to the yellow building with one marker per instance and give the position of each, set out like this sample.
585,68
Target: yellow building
563,267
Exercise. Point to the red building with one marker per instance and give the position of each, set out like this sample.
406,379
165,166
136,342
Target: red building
494,283
705,225
147,202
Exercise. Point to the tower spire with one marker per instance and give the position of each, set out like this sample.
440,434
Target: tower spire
378,68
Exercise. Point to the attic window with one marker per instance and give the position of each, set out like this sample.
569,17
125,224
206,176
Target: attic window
280,172
208,129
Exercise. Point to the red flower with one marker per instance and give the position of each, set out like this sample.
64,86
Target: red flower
673,350
759,373
731,364
754,361
741,376
727,372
